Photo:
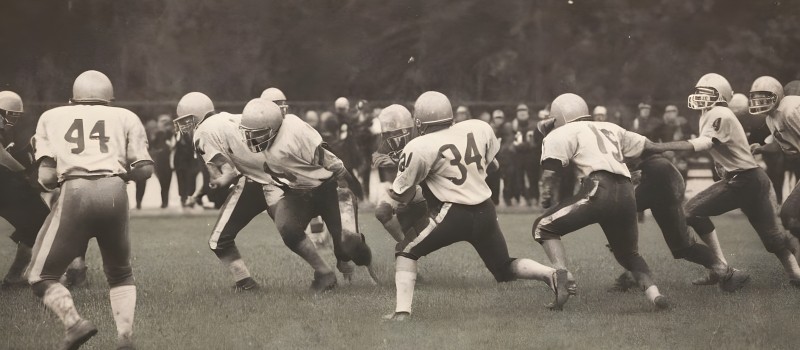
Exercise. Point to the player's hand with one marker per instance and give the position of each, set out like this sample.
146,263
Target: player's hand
397,316
755,148
221,181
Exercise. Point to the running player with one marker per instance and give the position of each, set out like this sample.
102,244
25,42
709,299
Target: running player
606,196
91,150
451,160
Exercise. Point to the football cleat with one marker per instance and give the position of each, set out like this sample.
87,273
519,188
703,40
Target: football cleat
125,343
397,316
78,334
323,282
623,283
246,284
14,282
560,291
347,269
74,277
709,279
661,302
733,280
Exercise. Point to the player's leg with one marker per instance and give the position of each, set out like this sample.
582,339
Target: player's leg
790,212
621,229
164,175
244,203
62,237
532,169
487,239
292,213
24,209
776,172
757,206
717,199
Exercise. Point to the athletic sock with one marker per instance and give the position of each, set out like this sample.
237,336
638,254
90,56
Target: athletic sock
652,292
789,262
58,299
405,278
306,250
123,305
531,270
238,269
712,241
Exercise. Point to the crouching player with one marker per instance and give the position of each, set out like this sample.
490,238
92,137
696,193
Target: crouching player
451,160
606,196
91,149
20,203
308,180
401,220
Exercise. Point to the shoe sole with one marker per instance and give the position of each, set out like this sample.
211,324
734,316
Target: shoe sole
82,339
562,294
661,303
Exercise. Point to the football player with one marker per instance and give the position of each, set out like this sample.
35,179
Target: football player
91,149
744,185
308,178
20,204
606,196
451,160
212,130
783,121
398,218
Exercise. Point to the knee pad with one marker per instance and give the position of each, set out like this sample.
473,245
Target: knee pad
119,275
39,288
384,212
355,246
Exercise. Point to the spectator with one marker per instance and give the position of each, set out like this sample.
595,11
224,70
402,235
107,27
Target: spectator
150,127
462,114
526,175
185,164
646,125
493,178
505,157
345,148
312,118
161,145
365,142
485,116
600,114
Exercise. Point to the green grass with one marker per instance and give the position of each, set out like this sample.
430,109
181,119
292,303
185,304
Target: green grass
186,301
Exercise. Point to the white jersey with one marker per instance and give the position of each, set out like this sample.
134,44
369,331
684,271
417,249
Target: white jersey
91,140
725,139
784,125
451,162
593,146
295,158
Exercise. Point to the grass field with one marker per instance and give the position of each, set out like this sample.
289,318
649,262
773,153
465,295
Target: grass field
186,300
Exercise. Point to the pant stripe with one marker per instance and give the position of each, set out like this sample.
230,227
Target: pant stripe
565,210
226,212
49,235
432,223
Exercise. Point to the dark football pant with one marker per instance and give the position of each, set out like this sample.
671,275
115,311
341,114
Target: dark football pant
662,191
294,209
22,207
87,208
606,199
244,203
474,224
747,190
790,212
776,171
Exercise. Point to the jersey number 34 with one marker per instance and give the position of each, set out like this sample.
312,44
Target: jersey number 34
75,135
471,155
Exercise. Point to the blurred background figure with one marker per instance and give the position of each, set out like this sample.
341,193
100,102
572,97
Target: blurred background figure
185,163
526,174
505,157
544,113
365,142
645,124
600,114
150,127
162,144
312,118
487,117
462,114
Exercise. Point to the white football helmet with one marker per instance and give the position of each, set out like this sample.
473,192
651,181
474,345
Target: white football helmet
432,108
765,95
396,126
10,108
738,104
92,87
568,108
277,96
192,109
711,90
261,121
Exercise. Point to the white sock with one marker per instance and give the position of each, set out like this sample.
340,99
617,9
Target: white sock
238,269
405,277
532,270
123,305
712,241
789,262
652,292
58,299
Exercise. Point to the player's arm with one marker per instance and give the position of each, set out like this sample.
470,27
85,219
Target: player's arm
332,163
222,172
550,182
411,172
769,148
47,174
698,144
141,165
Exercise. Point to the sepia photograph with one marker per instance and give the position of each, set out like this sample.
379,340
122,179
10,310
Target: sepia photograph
399,174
